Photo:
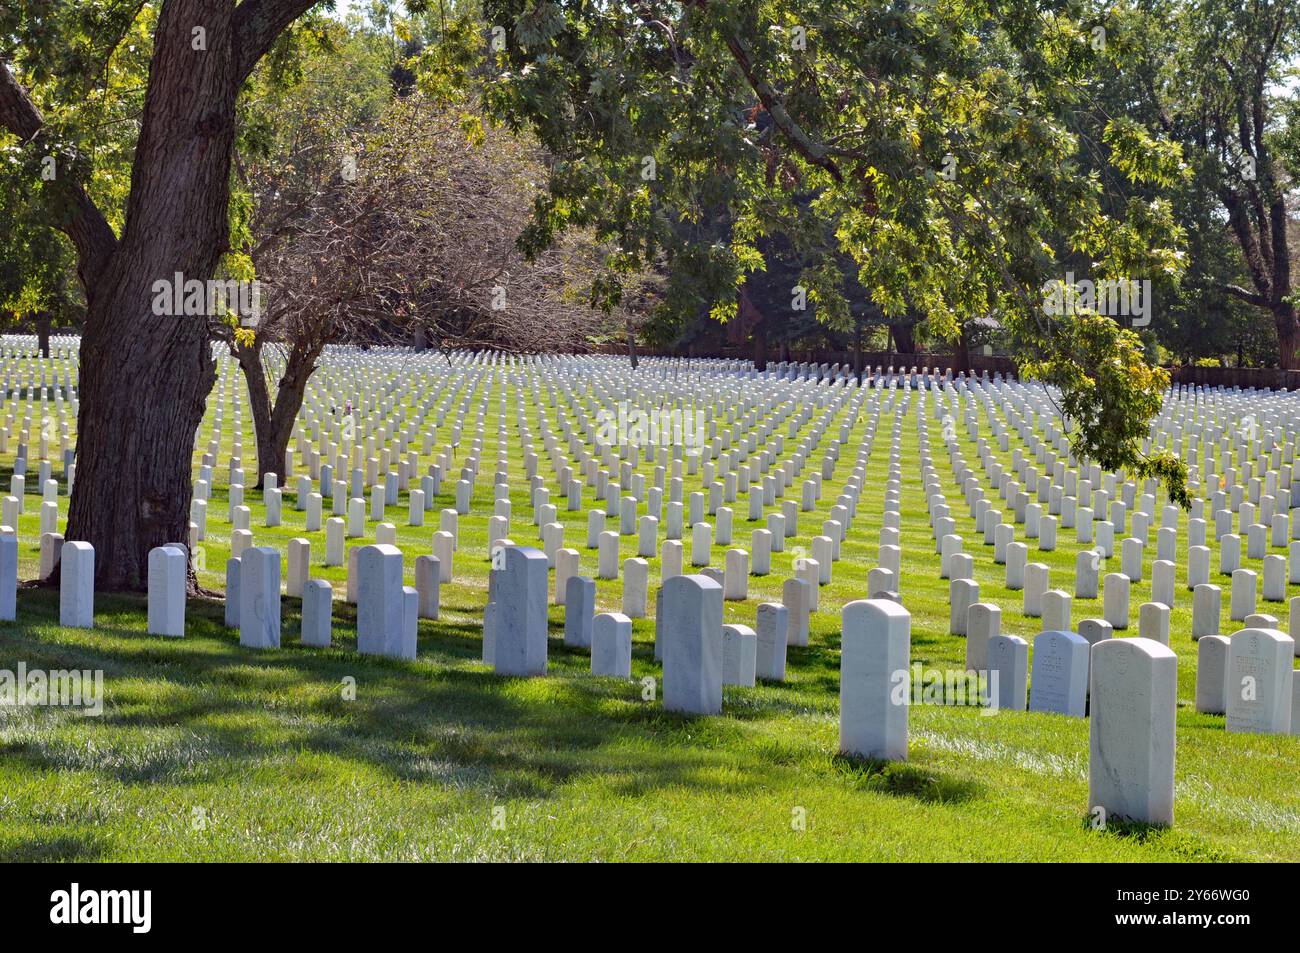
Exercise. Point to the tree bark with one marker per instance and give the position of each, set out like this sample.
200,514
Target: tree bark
144,375
43,322
259,400
273,420
1258,217
961,352
1288,336
631,345
760,348
142,398
857,349
904,338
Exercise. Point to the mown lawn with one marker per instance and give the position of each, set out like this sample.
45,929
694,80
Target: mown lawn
207,751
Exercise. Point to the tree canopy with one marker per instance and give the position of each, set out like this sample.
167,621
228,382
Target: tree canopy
936,166
937,137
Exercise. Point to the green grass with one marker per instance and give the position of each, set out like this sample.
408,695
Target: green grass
208,751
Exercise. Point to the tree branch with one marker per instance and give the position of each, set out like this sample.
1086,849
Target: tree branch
815,152
18,113
258,24
1239,220
1250,297
72,210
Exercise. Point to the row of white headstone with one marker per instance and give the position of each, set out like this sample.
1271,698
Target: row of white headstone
1249,677
76,585
1263,695
761,554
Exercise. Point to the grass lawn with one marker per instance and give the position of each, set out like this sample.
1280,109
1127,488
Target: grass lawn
208,751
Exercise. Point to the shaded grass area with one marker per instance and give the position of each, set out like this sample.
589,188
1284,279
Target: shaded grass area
210,751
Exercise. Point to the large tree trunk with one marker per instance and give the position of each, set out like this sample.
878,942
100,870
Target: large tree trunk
631,344
904,338
961,352
273,420
143,387
259,401
857,349
43,322
1288,336
145,376
760,347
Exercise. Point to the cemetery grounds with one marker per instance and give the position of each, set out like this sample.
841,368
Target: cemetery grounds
209,751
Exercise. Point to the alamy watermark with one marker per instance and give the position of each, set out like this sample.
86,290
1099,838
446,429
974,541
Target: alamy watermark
1113,297
57,688
133,908
658,427
181,296
951,687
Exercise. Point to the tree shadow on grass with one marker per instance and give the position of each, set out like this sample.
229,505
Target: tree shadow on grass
205,709
901,779
61,848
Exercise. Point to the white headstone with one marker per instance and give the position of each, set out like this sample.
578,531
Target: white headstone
875,648
77,585
692,654
299,568
1206,610
772,622
611,645
520,637
8,577
1134,699
259,598
796,596
381,604
1211,674
1115,599
428,582
1257,688
636,587
983,622
167,569
1060,677
739,655
317,613
1008,663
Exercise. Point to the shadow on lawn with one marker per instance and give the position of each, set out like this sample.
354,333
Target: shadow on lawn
211,709
61,847
905,780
